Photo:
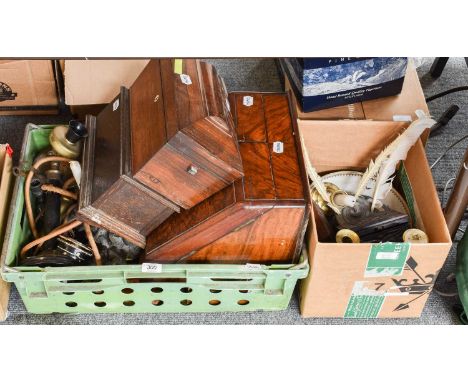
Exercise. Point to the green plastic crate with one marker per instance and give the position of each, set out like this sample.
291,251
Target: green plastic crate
125,288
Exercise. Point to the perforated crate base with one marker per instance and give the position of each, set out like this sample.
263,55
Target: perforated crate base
178,288
155,298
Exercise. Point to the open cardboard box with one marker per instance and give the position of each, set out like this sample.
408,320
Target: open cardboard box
398,107
91,84
95,82
338,284
5,193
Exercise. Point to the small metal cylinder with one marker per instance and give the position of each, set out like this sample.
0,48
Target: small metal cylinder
347,236
414,235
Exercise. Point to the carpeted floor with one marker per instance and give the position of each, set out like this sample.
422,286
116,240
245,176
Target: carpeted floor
261,75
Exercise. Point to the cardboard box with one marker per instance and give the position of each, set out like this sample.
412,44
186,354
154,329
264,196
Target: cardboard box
324,82
80,112
27,87
5,193
90,82
400,107
341,282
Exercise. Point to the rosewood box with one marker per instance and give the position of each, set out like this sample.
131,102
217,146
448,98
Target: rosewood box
260,218
166,143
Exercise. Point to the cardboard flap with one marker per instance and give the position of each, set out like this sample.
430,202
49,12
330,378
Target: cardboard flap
363,140
342,281
425,194
89,82
27,83
404,104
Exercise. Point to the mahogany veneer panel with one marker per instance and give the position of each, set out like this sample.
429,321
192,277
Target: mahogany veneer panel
260,218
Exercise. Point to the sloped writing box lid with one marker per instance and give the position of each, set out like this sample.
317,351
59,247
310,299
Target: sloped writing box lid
261,217
182,121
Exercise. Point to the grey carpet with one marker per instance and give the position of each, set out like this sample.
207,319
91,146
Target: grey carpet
261,75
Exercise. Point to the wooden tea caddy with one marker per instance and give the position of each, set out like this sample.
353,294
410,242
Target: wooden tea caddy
166,143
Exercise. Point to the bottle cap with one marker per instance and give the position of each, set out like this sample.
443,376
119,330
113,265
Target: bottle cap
76,131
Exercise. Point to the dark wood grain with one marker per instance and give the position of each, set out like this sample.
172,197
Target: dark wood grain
178,224
278,118
193,110
197,107
147,115
143,212
161,145
258,179
182,247
262,217
217,143
168,174
106,144
108,196
266,239
250,119
283,165
129,211
170,101
218,158
211,87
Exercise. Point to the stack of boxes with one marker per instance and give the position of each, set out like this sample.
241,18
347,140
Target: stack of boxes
348,136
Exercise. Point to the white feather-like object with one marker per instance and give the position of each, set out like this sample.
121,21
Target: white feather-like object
315,177
385,164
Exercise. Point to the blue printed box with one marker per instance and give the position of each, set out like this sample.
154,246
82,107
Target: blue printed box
322,83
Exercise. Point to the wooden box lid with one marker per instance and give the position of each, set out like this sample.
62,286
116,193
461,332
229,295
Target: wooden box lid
183,118
260,217
170,138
